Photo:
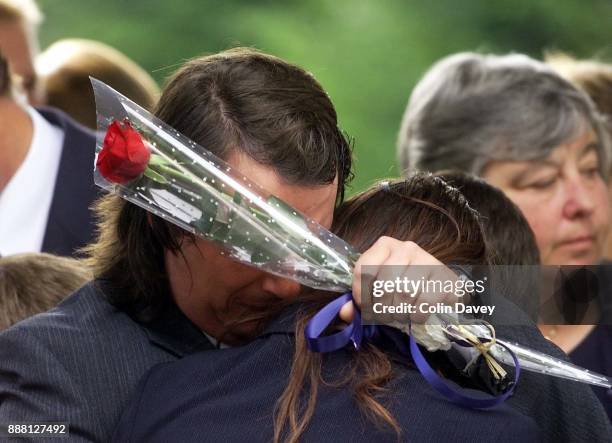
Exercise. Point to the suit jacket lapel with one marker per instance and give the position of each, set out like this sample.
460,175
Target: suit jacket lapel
171,330
70,224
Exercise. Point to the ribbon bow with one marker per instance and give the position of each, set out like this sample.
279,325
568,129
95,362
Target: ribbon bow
355,333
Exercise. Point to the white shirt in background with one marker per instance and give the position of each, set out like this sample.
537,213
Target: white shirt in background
26,199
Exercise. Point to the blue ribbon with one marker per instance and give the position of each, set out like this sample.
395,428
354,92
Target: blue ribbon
355,333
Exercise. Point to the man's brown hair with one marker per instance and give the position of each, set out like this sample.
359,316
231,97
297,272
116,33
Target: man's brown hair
33,283
274,112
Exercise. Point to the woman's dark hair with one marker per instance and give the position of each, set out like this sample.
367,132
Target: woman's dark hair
511,244
510,240
274,112
423,209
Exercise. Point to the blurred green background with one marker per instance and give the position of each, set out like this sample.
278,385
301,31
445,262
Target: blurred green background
368,54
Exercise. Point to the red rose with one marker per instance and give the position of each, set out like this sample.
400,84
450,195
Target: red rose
124,155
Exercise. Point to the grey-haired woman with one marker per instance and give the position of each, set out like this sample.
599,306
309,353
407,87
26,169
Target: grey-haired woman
514,122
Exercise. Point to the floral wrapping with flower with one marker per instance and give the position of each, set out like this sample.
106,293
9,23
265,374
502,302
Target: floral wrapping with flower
155,167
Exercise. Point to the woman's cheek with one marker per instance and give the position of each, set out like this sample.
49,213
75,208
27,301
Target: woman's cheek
542,216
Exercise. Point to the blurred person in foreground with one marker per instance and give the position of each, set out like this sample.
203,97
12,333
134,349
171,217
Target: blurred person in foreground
65,67
19,23
516,123
595,78
46,185
32,283
160,293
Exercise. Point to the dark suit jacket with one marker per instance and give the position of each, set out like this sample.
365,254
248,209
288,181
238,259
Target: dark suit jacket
70,225
229,395
80,362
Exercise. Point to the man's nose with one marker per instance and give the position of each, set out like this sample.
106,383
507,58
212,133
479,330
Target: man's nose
579,199
281,287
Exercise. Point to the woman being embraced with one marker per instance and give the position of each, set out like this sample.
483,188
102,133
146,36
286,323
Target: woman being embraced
274,388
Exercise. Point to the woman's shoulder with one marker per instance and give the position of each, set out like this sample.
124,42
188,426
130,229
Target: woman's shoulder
415,400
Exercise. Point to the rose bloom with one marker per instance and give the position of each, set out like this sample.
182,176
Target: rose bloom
124,155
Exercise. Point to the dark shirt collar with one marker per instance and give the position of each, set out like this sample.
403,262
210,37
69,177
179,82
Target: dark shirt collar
174,332
171,330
